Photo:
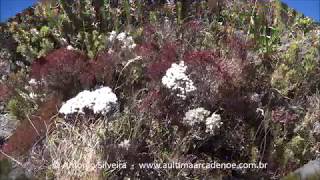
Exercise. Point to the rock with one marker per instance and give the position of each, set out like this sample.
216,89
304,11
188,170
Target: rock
316,130
4,68
311,170
17,173
7,125
10,171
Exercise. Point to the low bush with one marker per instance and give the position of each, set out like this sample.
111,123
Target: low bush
239,84
67,72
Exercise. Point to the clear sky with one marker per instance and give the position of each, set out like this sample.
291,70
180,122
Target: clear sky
9,8
310,8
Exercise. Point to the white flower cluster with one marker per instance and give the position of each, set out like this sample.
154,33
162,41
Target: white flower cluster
316,128
317,32
125,144
32,94
170,2
34,31
69,47
213,123
177,80
198,115
194,116
126,40
100,101
33,82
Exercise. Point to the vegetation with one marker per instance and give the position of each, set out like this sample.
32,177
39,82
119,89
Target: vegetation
196,82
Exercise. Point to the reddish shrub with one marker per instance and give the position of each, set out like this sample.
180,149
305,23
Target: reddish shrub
217,78
162,105
62,59
193,26
201,60
61,70
238,45
4,67
102,68
281,115
160,60
149,99
149,31
147,49
199,57
26,135
5,93
68,71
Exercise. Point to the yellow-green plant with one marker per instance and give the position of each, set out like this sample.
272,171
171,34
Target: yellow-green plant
94,42
19,107
295,67
38,35
81,24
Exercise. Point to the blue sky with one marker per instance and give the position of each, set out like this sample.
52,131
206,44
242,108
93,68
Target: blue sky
310,8
9,8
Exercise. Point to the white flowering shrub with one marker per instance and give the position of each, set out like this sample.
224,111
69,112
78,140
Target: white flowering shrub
123,38
69,47
125,144
213,123
33,82
200,115
100,101
197,115
176,79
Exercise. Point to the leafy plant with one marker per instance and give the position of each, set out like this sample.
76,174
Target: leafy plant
289,75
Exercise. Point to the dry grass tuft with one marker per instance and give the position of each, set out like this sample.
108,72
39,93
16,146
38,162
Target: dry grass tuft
74,150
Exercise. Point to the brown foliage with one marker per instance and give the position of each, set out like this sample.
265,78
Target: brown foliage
27,134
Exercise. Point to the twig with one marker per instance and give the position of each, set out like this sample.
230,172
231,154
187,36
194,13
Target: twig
11,158
33,125
130,61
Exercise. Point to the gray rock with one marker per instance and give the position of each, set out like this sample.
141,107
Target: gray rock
316,129
7,125
311,170
17,173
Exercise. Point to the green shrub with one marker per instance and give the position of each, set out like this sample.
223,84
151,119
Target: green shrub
19,107
295,67
56,27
